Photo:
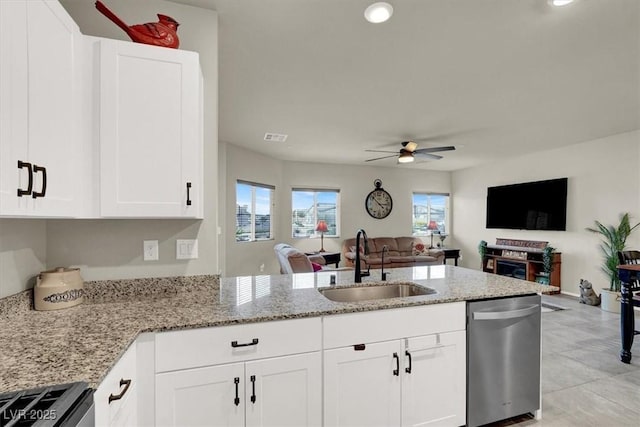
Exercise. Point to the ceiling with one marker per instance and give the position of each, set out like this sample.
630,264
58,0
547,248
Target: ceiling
495,78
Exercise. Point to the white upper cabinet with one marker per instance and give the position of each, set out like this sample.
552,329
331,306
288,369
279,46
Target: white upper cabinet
39,106
150,131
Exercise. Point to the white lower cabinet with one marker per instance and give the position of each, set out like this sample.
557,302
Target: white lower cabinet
410,382
360,387
414,381
115,399
281,391
434,392
262,374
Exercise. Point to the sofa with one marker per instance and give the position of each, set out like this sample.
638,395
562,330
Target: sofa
293,260
402,252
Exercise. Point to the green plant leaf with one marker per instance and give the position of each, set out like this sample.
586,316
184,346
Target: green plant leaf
614,239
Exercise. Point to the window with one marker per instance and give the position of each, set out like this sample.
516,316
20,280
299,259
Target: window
428,207
308,206
254,210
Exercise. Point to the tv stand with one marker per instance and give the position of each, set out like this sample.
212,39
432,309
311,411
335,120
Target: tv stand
521,259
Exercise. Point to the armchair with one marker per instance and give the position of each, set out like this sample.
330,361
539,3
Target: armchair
293,260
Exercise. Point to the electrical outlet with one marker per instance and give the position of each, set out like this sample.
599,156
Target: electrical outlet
150,250
262,268
186,249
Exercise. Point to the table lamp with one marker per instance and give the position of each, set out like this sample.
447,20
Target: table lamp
322,228
432,227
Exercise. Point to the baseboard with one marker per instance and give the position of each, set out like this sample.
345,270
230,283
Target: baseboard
570,294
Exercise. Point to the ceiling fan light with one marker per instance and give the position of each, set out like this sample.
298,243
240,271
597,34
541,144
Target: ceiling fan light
405,157
560,3
378,12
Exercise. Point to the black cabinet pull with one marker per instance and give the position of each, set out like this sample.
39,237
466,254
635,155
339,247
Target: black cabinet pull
396,371
253,342
236,381
43,189
27,165
359,347
408,370
253,389
188,194
126,384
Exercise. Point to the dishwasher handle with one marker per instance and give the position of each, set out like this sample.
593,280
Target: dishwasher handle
509,314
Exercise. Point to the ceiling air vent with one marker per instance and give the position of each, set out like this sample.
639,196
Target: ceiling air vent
275,137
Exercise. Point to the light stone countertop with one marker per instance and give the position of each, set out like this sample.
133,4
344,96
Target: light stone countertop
82,343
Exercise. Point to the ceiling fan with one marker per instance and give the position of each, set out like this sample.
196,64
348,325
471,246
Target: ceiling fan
410,151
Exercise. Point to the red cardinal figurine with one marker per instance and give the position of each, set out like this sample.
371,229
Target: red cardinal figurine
161,33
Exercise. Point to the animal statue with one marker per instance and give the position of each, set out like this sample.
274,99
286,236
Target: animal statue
587,295
162,33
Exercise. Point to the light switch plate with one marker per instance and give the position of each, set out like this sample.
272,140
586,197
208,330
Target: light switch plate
186,249
150,251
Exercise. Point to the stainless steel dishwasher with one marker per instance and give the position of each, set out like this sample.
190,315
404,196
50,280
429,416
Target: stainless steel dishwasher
503,358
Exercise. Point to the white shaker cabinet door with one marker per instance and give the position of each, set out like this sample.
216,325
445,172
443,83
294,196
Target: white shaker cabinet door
201,397
39,110
362,387
150,131
284,391
434,380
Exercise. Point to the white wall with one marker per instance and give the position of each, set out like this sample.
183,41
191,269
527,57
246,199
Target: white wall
23,250
604,182
110,249
354,183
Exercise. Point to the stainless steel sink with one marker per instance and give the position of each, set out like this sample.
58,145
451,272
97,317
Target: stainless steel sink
375,292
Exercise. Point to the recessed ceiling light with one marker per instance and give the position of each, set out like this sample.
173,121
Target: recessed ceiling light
378,12
559,3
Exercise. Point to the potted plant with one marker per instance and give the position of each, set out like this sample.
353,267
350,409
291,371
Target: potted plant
482,250
544,277
614,239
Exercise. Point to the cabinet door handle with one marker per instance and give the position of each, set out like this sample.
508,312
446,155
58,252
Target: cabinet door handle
43,189
253,389
236,381
396,371
235,344
408,369
27,165
188,194
126,384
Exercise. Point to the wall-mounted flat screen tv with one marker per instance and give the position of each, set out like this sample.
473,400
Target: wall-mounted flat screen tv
539,205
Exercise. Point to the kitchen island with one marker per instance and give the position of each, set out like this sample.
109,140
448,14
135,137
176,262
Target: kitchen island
84,343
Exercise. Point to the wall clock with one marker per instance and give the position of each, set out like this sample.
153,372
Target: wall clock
378,203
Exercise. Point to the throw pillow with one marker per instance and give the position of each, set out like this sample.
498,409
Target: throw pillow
353,249
419,249
316,266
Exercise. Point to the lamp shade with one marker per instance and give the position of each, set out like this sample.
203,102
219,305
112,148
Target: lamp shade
432,226
322,226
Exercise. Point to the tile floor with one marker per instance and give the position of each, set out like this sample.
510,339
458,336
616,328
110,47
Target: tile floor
583,381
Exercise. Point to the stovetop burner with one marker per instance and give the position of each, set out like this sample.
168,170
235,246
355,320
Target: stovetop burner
57,406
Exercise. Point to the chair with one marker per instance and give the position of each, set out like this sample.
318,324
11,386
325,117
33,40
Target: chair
630,284
293,260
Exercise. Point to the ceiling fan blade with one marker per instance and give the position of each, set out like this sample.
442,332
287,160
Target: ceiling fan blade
382,151
380,158
427,156
434,149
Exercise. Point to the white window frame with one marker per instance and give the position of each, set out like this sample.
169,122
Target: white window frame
315,192
447,214
254,186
